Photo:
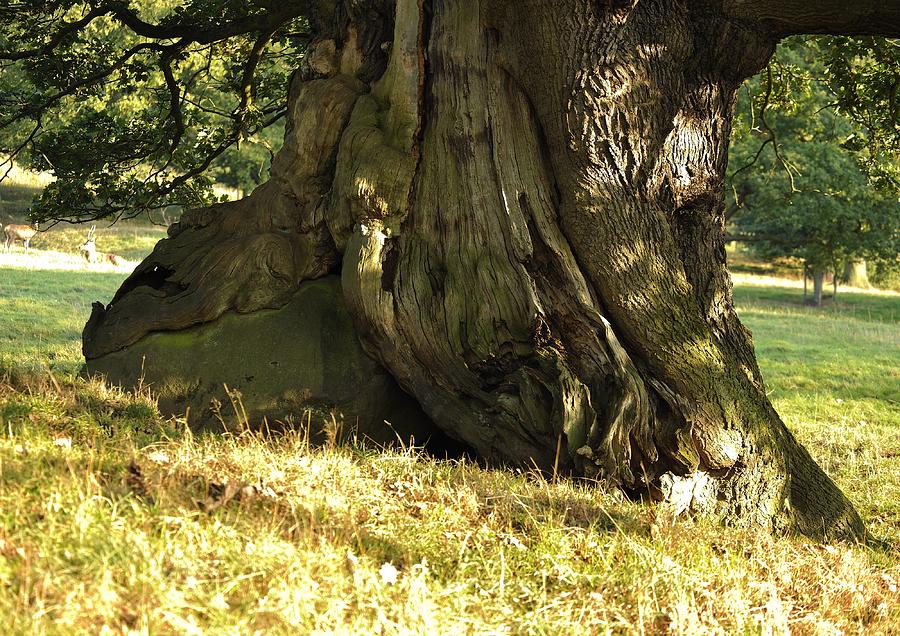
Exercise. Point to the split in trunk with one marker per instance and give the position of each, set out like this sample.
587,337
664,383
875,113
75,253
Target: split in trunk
524,201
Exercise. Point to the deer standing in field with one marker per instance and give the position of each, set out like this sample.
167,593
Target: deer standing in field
91,255
22,233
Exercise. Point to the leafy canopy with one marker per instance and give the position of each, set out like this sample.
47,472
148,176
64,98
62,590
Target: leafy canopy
814,153
140,104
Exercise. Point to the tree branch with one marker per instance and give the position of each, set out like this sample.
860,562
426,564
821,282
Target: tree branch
10,162
829,17
81,83
270,19
252,62
56,39
175,113
140,166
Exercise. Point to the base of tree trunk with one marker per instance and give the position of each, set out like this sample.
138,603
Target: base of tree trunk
818,276
299,368
856,274
529,233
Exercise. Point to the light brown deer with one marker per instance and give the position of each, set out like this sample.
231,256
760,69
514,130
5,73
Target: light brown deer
22,233
91,255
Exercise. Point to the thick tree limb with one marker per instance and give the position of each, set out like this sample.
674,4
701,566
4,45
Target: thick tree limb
832,17
270,19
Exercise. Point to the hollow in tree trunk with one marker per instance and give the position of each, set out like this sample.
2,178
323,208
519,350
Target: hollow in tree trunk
524,203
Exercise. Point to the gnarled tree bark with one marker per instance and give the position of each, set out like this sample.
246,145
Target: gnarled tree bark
525,203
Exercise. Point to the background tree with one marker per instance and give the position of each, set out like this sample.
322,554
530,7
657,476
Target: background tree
524,202
136,106
806,182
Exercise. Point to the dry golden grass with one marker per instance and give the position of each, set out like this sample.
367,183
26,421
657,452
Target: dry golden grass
113,519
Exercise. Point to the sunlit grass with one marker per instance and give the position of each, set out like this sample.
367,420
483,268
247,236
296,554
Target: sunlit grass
834,376
785,297
129,240
42,313
46,296
111,516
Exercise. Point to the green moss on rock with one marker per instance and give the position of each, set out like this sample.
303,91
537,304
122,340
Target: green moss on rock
301,363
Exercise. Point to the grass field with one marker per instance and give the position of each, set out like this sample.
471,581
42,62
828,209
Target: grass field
112,518
17,189
132,241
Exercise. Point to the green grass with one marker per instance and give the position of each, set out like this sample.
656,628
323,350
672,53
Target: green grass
788,301
111,516
42,313
833,373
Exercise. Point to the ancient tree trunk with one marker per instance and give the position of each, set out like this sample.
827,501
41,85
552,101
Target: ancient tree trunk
856,274
524,201
818,276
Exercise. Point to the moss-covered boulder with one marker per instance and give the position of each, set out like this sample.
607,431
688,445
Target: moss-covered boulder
298,365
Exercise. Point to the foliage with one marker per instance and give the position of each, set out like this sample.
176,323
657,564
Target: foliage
863,77
139,105
805,184
885,272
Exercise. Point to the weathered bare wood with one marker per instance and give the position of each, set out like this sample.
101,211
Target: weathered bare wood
258,249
